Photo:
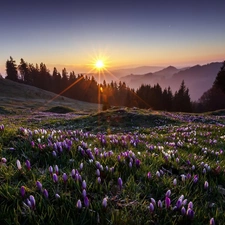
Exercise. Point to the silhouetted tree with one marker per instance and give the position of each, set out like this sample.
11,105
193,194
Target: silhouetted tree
11,70
25,72
220,79
182,101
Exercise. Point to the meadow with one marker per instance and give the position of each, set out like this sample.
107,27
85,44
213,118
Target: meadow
121,166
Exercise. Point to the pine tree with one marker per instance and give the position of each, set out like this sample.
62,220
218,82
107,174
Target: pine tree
220,79
11,70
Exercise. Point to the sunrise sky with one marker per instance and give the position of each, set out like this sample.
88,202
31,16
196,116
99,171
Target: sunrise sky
130,33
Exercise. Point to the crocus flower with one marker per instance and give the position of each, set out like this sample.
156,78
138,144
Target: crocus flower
167,202
55,177
212,221
151,208
190,205
39,185
86,202
104,202
64,176
81,166
190,213
195,179
120,182
168,193
179,203
22,191
56,169
183,211
206,185
97,172
79,204
18,164
28,164
153,201
84,185
57,195
32,201
4,160
99,180
84,193
50,169
45,193
175,182
160,204
149,176
157,173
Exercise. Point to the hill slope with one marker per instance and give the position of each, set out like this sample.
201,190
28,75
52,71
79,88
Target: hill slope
19,98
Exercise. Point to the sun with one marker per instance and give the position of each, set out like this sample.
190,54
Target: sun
99,64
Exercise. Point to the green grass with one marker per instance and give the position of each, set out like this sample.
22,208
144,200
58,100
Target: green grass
113,141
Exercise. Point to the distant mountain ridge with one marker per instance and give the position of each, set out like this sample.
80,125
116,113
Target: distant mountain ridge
197,78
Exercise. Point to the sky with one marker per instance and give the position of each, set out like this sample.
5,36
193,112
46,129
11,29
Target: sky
126,33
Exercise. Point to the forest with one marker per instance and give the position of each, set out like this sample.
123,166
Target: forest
84,88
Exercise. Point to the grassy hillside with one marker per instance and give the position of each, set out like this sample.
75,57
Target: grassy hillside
18,98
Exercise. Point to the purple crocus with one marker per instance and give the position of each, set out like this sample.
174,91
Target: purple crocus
79,204
55,178
149,176
212,221
65,177
32,202
28,164
168,193
18,164
183,211
50,169
22,191
179,203
206,185
86,202
84,185
167,202
190,213
104,202
151,208
45,193
39,185
160,204
120,182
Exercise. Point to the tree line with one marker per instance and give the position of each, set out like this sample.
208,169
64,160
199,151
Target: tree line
84,88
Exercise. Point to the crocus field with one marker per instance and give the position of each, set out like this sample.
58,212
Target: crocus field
166,173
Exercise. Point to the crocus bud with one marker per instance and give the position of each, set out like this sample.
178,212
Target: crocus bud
168,193
84,185
160,204
50,169
149,176
179,203
151,208
32,201
4,160
84,193
206,185
81,166
97,172
190,205
28,164
55,178
190,213
79,204
86,202
64,176
57,195
22,191
18,164
104,202
153,201
212,221
45,192
120,182
167,202
157,173
99,180
39,185
56,169
175,182
183,211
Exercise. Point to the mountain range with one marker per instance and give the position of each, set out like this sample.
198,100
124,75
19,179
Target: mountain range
198,78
